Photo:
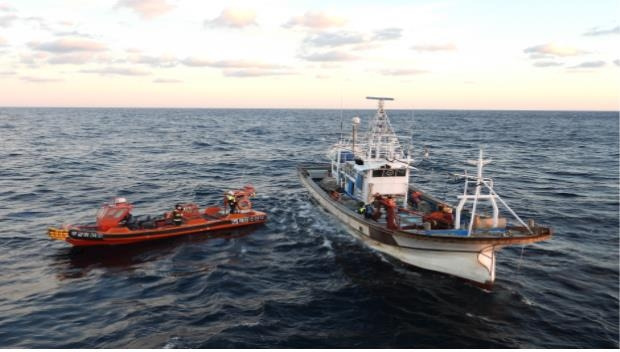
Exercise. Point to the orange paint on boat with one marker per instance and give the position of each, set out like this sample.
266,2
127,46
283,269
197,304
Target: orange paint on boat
116,226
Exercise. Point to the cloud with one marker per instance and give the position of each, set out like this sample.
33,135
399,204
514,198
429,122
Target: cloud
39,22
7,73
540,56
434,47
358,40
233,18
315,20
67,45
154,61
387,34
366,46
255,73
72,33
548,64
3,41
6,8
147,9
244,64
6,20
120,71
596,31
39,79
32,59
240,68
332,39
590,64
403,72
167,80
66,23
617,62
63,55
198,62
329,56
71,58
6,16
554,49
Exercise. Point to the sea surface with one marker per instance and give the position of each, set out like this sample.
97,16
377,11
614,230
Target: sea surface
300,280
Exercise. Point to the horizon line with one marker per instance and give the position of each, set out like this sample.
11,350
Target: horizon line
288,108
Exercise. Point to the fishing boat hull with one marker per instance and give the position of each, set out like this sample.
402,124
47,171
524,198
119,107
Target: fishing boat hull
470,258
88,236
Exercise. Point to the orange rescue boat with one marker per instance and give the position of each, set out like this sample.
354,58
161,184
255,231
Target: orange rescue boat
115,225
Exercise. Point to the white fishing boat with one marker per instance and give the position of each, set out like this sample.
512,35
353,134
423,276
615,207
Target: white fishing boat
366,185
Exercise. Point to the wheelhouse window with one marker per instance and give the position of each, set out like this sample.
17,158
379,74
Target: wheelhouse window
100,212
384,172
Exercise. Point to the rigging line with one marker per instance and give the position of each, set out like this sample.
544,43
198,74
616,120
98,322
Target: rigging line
507,207
413,125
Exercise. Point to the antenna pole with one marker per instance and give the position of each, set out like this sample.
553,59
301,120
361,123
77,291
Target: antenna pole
341,117
353,139
356,121
477,195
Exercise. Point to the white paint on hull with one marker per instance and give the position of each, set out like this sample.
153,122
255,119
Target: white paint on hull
471,261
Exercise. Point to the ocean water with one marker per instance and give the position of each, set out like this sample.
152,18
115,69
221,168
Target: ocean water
300,280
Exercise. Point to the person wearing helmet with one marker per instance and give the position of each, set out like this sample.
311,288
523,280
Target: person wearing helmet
231,200
177,214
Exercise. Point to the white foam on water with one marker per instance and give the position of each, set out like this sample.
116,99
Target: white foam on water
327,243
527,301
173,343
480,317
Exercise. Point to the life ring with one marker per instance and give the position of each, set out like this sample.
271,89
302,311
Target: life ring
244,204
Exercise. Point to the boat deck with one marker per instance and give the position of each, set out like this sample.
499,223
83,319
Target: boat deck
410,218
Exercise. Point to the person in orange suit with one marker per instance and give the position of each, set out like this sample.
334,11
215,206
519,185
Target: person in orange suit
440,219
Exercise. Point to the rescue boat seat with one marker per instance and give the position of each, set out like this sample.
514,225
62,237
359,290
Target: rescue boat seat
143,222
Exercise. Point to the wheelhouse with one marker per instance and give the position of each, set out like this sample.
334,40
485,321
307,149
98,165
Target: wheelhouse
374,164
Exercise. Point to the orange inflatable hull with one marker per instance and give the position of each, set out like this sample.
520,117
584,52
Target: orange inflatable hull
89,236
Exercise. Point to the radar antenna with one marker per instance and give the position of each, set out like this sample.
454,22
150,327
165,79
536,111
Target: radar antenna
379,98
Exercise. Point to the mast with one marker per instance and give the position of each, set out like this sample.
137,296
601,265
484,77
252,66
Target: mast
492,196
356,122
382,142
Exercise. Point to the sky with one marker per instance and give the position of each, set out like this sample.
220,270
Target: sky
453,54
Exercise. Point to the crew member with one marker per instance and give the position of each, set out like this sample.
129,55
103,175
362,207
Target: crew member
126,219
362,209
368,211
416,198
377,203
440,219
335,195
231,200
177,214
390,212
